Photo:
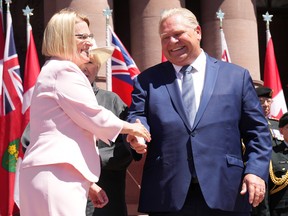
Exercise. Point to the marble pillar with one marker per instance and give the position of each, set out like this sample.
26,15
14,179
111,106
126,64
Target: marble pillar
145,40
240,29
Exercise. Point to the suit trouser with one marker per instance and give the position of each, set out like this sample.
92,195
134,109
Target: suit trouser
195,205
53,190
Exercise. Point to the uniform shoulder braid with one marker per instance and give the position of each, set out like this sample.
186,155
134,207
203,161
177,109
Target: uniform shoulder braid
279,182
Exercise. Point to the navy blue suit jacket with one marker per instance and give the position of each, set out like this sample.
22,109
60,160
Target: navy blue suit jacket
229,112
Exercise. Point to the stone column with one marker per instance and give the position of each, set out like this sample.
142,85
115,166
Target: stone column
240,29
145,40
94,10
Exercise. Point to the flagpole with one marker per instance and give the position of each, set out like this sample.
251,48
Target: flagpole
107,13
1,8
27,12
267,18
8,2
220,16
2,42
225,56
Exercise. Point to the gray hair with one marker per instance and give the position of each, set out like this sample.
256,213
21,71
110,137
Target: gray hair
187,14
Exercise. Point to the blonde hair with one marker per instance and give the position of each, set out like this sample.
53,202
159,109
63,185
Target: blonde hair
59,39
187,14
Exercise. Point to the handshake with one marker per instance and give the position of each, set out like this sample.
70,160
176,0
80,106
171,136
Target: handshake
138,136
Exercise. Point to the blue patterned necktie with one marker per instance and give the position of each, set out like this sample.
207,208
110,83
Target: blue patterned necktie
188,94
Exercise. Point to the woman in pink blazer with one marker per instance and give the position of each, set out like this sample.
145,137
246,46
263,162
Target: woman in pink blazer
61,163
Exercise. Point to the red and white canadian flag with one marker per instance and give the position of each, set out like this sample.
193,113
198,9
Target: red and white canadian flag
224,48
272,80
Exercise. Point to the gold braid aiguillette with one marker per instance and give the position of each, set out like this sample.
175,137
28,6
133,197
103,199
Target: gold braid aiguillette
280,182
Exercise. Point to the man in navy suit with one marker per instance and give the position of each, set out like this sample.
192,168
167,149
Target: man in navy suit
198,169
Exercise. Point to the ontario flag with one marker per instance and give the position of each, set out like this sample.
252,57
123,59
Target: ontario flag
224,48
11,117
124,69
272,80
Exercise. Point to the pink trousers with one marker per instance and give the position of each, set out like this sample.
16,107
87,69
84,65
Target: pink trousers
52,190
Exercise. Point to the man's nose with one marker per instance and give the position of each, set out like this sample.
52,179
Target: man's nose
174,38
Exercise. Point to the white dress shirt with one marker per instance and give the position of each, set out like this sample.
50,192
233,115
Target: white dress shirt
198,74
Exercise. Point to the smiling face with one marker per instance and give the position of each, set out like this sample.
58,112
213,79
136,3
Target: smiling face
180,40
83,43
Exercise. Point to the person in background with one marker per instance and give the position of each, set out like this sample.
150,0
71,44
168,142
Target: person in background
265,96
62,164
114,158
276,196
194,163
276,200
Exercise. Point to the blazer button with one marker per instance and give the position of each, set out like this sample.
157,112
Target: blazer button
189,158
193,133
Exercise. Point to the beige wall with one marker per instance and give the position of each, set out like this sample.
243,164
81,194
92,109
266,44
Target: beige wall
145,41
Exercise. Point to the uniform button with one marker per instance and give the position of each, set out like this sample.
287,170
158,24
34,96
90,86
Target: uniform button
193,133
189,158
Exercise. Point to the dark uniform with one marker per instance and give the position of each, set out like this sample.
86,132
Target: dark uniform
276,199
115,160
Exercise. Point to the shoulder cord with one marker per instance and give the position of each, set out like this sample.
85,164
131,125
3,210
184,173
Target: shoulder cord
280,183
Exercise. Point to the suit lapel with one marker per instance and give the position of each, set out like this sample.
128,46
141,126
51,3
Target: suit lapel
212,70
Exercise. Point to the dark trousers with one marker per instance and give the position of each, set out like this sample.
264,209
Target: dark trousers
279,212
195,205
